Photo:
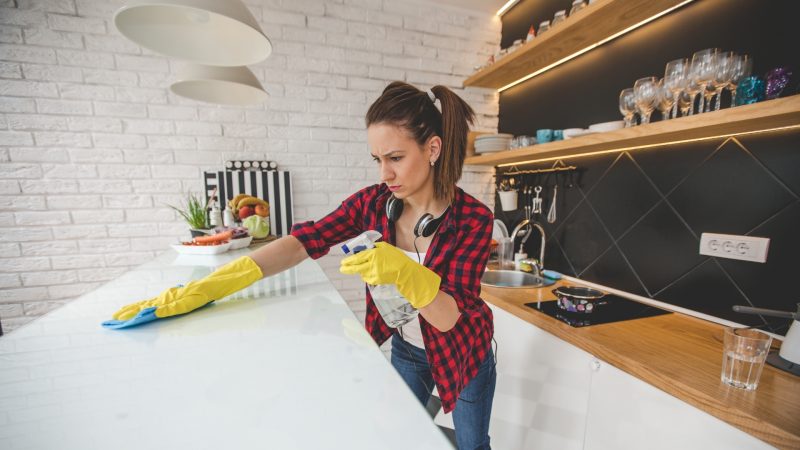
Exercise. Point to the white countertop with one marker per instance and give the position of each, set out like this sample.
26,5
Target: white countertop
282,365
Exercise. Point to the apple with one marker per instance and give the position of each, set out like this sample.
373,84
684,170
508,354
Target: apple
245,212
262,210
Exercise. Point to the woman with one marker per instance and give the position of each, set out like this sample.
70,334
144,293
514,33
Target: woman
436,244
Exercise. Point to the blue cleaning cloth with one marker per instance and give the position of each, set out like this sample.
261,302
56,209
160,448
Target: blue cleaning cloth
551,274
144,316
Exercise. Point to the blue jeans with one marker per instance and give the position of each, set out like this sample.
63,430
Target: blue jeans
474,404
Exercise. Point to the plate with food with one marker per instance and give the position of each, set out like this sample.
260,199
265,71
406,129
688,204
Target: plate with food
206,245
190,248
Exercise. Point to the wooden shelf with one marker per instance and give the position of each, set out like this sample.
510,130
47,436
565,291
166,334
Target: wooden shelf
771,114
592,25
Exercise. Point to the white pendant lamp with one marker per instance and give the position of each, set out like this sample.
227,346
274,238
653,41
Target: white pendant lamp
213,32
225,85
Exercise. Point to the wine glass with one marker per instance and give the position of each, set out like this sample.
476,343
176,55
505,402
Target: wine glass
741,68
722,75
645,92
685,100
675,80
664,100
627,106
702,71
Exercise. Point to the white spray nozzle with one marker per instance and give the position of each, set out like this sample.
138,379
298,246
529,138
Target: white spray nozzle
363,241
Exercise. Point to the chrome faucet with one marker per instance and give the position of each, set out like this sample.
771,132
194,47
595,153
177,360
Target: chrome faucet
528,226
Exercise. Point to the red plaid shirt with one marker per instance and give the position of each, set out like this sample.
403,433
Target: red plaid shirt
458,253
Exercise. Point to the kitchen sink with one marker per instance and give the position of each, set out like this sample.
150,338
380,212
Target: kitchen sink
513,279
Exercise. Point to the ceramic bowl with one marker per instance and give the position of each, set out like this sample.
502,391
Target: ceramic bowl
607,126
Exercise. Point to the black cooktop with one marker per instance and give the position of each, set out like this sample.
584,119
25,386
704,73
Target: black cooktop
617,309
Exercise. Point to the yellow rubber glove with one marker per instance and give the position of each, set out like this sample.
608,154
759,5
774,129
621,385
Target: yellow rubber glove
232,277
387,264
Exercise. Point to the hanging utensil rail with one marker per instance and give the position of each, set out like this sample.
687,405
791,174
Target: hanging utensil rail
529,172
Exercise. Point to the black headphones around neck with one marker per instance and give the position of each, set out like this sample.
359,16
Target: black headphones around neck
426,225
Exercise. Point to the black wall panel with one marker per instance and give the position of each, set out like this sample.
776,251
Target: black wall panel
633,220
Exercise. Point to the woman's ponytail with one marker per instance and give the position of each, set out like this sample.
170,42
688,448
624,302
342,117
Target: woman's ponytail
457,116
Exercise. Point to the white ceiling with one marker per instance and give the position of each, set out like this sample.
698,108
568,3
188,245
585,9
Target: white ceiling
490,6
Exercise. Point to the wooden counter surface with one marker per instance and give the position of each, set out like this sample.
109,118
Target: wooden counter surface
680,355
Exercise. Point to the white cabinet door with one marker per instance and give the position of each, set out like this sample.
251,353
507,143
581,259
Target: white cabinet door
542,388
627,413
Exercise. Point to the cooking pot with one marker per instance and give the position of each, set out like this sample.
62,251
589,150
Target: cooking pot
577,299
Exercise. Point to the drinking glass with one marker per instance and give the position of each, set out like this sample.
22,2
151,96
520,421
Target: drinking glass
645,92
627,106
505,253
702,70
675,78
685,101
722,75
741,68
664,101
577,5
559,17
744,353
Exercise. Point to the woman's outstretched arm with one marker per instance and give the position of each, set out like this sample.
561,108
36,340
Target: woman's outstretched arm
279,255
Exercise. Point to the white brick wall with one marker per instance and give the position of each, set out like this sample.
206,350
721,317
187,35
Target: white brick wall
93,143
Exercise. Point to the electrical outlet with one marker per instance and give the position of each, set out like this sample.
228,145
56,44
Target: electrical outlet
745,248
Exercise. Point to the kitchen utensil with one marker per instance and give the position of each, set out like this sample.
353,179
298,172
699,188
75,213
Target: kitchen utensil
526,202
790,349
576,299
537,201
551,215
569,133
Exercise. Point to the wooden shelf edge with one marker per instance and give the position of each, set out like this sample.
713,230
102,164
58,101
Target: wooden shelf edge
601,20
778,113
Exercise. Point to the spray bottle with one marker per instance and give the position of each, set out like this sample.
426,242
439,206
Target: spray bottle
393,307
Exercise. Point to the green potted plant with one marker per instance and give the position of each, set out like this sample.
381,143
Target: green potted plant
194,213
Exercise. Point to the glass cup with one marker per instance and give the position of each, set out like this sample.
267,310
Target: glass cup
543,26
559,17
577,5
505,253
744,353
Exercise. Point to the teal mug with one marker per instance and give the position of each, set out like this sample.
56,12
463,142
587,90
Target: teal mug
544,135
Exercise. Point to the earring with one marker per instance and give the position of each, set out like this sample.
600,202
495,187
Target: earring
432,163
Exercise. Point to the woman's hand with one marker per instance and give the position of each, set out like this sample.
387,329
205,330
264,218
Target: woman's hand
386,264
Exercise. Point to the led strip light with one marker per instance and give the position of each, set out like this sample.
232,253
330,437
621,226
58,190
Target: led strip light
638,147
593,46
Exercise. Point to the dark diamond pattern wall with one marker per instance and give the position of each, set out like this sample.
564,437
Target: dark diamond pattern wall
633,220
